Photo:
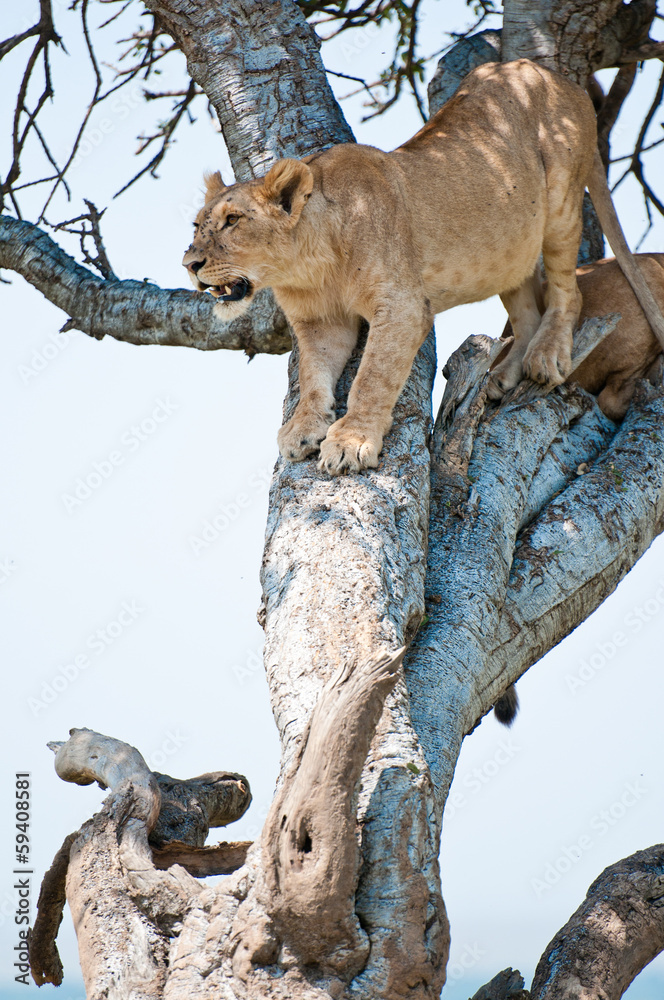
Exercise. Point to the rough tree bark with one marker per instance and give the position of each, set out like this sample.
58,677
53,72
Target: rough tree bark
342,897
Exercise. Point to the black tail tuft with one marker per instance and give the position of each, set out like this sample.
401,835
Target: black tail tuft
507,706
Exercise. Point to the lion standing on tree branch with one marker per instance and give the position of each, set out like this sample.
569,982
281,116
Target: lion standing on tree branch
460,212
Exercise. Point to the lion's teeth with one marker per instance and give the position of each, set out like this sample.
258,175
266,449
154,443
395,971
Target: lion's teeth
227,289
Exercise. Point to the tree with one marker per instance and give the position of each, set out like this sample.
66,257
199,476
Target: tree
517,556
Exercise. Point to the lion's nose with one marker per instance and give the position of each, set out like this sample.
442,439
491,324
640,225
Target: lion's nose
196,265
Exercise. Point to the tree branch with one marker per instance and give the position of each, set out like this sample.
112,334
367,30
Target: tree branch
576,39
614,934
136,312
45,963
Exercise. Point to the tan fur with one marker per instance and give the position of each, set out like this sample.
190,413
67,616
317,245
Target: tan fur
460,212
611,371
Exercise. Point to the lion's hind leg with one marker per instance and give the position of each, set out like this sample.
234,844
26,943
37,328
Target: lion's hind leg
524,307
548,359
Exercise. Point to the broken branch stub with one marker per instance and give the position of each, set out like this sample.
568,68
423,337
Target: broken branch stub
190,808
87,757
118,896
310,837
45,963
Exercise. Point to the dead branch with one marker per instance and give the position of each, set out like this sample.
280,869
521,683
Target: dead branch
24,117
610,107
45,964
636,166
164,133
190,808
649,50
507,985
220,859
144,885
93,218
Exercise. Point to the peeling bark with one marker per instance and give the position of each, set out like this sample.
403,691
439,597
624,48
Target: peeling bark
309,835
45,963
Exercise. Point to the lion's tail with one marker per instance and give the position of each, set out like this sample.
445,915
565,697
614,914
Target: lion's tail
601,198
507,706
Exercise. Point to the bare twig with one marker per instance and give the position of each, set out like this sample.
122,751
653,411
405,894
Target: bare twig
165,133
93,217
610,108
636,166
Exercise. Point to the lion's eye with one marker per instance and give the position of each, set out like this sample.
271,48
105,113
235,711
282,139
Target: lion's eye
232,219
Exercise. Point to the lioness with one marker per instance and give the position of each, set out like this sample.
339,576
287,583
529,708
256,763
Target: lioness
611,371
460,212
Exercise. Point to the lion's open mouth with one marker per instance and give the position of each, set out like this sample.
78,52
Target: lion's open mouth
232,291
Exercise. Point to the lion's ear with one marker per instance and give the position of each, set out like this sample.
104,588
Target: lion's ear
214,186
288,184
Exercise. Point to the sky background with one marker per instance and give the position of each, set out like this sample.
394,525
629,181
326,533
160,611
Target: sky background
159,607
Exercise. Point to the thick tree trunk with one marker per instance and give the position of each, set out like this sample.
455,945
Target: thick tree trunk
520,549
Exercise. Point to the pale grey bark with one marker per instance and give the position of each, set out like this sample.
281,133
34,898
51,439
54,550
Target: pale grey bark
259,64
556,544
345,574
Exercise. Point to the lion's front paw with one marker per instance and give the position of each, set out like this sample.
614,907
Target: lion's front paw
346,450
301,436
548,365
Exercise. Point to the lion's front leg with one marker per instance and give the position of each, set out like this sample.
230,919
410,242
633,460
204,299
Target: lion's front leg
324,350
355,441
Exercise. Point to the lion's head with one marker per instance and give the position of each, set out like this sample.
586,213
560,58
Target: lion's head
243,237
